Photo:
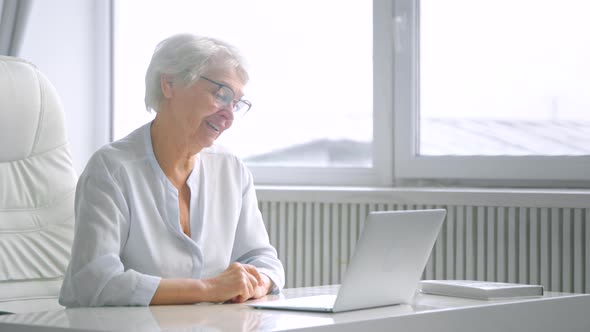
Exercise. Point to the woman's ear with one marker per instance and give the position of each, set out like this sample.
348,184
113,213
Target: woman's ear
166,84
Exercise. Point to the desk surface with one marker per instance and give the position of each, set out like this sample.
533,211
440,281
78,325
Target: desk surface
552,312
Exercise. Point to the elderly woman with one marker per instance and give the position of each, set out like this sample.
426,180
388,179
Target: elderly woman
163,216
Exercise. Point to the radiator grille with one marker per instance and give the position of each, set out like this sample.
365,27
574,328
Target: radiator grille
546,246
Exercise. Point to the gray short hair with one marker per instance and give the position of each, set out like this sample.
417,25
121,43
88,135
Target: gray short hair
186,57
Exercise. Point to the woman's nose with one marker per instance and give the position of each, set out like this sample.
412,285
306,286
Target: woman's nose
228,111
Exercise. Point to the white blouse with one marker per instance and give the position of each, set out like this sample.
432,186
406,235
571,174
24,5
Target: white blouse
128,235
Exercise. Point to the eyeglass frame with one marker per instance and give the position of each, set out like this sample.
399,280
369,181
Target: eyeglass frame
235,108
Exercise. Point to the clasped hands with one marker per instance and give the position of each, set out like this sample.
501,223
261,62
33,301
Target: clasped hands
238,283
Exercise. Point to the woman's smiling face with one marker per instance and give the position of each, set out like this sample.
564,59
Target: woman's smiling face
198,110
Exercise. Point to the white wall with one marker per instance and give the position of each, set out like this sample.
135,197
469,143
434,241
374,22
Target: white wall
65,39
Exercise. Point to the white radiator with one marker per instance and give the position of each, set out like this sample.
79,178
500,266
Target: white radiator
539,245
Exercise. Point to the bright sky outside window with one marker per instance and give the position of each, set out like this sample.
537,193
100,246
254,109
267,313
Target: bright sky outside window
508,77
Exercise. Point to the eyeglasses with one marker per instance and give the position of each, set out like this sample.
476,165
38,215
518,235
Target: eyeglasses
225,96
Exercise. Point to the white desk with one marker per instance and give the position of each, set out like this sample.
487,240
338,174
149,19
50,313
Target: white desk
552,312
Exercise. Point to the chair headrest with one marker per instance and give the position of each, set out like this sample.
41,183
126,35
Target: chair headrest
31,115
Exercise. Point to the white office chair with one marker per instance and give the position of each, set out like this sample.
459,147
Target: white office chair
37,184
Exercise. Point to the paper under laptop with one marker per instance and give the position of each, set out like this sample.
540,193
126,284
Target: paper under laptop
385,268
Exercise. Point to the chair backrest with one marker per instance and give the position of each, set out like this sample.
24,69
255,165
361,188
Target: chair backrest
37,185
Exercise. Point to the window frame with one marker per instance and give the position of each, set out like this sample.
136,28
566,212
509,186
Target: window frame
381,174
395,128
411,168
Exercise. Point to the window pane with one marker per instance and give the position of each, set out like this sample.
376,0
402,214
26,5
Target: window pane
310,64
506,77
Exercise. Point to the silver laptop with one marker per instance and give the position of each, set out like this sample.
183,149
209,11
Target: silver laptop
385,268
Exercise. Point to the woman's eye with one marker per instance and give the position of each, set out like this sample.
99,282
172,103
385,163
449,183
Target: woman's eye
223,96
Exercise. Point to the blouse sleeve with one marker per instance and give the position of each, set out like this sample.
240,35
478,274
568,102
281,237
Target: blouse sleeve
96,275
252,245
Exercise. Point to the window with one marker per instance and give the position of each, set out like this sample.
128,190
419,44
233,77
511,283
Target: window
405,91
320,115
492,90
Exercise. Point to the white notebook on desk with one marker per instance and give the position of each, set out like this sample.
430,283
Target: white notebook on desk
385,268
477,289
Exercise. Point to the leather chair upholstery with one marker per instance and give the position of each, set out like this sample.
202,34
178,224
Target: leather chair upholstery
37,186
